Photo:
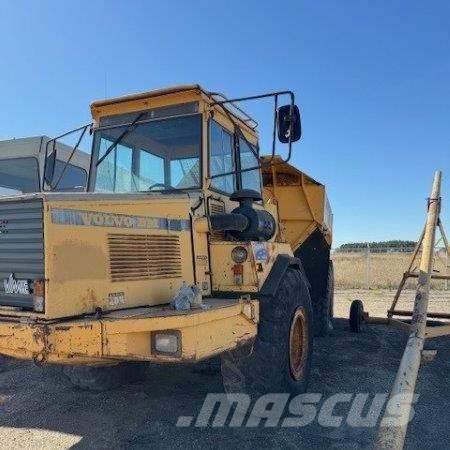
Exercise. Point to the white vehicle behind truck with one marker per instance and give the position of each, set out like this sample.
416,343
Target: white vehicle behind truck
22,163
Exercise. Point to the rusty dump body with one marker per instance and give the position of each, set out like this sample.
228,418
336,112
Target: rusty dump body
87,278
303,205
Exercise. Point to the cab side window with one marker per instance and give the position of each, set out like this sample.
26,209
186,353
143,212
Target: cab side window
249,158
74,178
221,158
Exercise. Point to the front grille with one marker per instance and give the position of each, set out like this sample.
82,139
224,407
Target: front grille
144,257
21,247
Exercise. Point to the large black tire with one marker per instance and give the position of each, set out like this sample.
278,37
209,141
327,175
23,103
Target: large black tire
276,364
323,311
104,378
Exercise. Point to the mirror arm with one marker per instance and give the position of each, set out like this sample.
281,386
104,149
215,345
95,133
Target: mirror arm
274,138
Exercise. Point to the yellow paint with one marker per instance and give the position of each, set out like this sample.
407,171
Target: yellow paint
255,271
226,325
77,258
302,202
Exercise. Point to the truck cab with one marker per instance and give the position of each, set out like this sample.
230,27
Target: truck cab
22,163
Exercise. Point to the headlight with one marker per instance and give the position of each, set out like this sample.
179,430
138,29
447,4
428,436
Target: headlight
239,255
166,342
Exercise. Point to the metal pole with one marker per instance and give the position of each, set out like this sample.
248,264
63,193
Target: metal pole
447,260
447,250
392,431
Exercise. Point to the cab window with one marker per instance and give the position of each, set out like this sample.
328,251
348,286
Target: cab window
221,159
74,178
19,175
185,172
115,174
156,155
249,158
151,170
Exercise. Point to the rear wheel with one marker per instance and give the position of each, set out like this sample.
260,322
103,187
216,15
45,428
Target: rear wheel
356,317
281,358
104,377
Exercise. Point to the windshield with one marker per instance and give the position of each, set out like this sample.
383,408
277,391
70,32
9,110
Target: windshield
19,175
157,155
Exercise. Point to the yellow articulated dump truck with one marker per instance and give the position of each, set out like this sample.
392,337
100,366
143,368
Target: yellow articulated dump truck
187,245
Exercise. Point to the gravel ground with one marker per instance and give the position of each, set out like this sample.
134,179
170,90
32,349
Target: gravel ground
38,411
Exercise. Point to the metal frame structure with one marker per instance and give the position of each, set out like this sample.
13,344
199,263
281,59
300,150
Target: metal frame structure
413,272
392,436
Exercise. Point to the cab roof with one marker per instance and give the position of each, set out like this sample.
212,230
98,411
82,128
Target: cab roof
231,108
149,94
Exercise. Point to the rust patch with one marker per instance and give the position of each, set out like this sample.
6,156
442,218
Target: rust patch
40,336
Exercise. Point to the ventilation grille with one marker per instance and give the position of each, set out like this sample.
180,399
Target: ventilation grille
216,208
144,257
21,247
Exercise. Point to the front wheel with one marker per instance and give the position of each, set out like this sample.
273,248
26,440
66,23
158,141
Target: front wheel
281,358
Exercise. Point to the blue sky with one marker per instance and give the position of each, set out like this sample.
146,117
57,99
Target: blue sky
371,79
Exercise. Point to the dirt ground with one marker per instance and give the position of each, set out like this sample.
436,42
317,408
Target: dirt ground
41,412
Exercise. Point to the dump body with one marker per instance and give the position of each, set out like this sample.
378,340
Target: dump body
303,205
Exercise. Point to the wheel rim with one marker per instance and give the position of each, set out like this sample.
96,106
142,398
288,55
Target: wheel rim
298,343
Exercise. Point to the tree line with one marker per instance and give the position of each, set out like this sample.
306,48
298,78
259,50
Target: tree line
378,246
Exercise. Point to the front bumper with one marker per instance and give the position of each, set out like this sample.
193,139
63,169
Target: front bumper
126,335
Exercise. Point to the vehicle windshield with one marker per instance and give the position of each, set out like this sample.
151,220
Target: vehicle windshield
19,175
154,155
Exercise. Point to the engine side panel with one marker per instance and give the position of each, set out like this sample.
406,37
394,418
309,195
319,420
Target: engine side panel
115,255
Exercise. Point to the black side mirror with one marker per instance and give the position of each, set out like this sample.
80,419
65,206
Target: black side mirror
50,164
288,122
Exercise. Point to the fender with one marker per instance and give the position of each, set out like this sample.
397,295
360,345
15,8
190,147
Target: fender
282,263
